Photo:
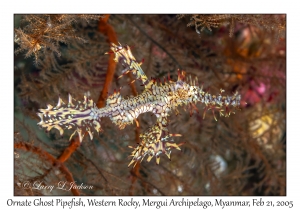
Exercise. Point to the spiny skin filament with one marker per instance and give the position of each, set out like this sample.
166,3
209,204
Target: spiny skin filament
158,98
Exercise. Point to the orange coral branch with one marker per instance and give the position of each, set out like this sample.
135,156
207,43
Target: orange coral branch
107,30
75,143
50,158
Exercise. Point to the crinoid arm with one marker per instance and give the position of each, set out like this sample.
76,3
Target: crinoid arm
83,116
